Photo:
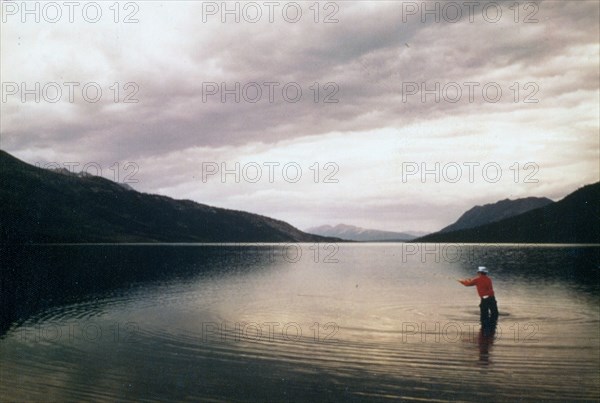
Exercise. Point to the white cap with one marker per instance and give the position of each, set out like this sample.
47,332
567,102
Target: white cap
482,269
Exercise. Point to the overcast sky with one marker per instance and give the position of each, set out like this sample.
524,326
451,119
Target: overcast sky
361,141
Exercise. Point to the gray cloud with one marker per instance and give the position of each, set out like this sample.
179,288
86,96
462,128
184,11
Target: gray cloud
369,54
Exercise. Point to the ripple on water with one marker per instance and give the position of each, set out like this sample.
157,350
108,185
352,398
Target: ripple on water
394,340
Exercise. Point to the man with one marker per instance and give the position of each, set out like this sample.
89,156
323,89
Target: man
488,308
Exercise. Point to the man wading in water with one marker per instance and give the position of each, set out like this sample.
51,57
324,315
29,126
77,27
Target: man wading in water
488,307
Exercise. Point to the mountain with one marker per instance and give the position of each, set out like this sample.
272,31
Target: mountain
574,219
40,206
488,213
352,233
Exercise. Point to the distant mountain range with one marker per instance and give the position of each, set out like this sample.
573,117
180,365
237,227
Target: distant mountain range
475,217
574,219
488,213
40,206
352,233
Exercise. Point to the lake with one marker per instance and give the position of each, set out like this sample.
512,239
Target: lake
297,322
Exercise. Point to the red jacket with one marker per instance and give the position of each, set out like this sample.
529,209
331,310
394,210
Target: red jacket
484,285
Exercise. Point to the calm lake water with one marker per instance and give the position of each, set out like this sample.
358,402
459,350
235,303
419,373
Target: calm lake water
302,322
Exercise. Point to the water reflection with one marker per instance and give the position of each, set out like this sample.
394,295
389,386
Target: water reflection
188,320
485,341
36,278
